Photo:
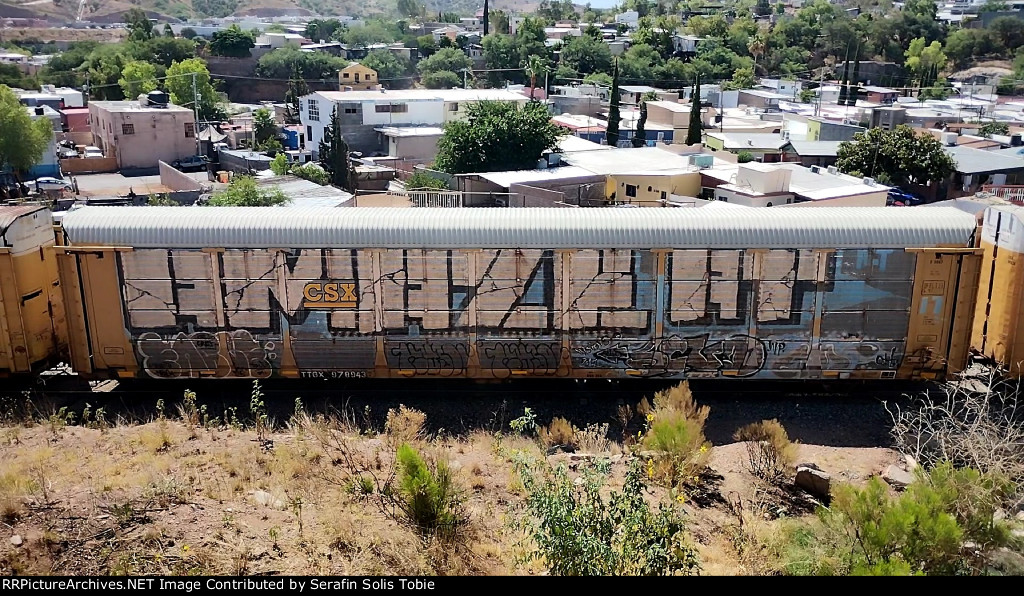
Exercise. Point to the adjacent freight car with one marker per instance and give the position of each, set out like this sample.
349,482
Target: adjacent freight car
999,319
860,293
32,330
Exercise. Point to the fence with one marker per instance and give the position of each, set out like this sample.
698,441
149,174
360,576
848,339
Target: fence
1014,194
88,165
428,198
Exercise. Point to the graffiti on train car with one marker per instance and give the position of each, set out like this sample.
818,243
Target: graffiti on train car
679,313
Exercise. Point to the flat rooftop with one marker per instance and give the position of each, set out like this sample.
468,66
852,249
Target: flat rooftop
423,95
133,106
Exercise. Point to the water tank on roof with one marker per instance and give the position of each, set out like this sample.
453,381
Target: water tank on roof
158,98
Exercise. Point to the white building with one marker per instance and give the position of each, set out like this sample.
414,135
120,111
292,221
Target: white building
790,184
278,40
361,112
630,18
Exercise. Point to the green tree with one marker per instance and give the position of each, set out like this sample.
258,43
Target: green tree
168,32
279,165
283,63
640,63
925,60
449,59
188,33
264,127
499,23
441,79
333,155
640,134
599,78
322,29
22,140
179,82
426,45
586,55
501,54
297,89
535,67
368,34
390,68
693,131
232,41
140,28
743,78
137,78
313,173
167,50
244,192
611,133
1009,31
410,8
497,136
898,157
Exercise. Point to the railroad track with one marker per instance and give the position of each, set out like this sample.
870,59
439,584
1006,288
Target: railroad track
841,413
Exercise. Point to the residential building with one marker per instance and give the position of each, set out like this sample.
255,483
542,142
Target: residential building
880,95
820,129
590,128
976,168
766,147
632,94
788,88
243,161
362,112
278,40
451,32
629,18
686,44
411,143
677,115
645,176
789,184
355,76
766,100
563,33
585,99
139,135
475,24
48,164
815,153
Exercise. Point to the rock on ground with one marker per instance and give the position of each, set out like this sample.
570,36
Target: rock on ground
897,477
814,481
16,540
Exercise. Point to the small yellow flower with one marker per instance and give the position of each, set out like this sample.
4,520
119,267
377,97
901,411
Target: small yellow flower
703,448
681,498
185,548
650,469
639,434
696,478
650,418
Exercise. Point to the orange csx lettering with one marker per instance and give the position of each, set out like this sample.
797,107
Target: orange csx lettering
330,294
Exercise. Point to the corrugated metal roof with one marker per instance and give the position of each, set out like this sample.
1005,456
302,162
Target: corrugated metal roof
10,213
256,227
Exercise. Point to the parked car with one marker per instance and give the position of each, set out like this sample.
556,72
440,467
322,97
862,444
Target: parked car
194,162
899,198
49,183
92,151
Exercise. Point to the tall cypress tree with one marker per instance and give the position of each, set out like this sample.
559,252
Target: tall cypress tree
693,131
297,88
333,155
640,134
852,92
487,16
846,80
611,135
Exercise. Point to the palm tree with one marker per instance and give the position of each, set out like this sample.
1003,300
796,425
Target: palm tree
757,46
535,66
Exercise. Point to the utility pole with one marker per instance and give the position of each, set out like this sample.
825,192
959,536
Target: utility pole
195,109
821,91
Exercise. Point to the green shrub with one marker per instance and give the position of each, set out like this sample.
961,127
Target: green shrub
744,157
279,165
313,173
675,436
421,180
770,453
577,531
429,497
866,531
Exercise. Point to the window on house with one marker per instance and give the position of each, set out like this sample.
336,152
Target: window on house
350,110
631,190
357,77
313,109
190,130
453,107
127,129
394,108
309,132
346,75
650,189
663,195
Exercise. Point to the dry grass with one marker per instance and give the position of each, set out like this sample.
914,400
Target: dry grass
560,433
405,424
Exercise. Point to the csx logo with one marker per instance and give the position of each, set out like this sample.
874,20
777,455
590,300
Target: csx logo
330,294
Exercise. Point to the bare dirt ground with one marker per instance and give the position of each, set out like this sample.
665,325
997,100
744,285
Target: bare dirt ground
162,497
57,34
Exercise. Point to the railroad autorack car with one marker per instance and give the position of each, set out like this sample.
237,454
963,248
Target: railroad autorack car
32,331
783,293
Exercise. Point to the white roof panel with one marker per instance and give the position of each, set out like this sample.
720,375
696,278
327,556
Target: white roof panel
372,227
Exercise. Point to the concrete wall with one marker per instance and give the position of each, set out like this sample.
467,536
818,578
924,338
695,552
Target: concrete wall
419,148
650,187
90,165
176,180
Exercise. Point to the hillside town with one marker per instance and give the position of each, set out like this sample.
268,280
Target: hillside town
421,237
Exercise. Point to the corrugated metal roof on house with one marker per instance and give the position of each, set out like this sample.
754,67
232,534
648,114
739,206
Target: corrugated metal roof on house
10,213
258,227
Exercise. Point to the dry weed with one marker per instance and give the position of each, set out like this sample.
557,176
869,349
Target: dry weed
560,433
405,424
770,453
